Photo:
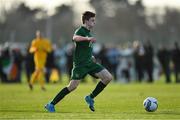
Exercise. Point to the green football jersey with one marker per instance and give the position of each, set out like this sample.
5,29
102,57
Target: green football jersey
83,50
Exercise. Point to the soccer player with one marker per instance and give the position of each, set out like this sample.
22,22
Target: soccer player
40,47
83,64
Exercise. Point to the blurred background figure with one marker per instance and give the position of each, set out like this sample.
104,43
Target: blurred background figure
17,64
11,64
61,61
149,56
176,61
40,47
139,60
164,59
5,64
103,58
50,66
113,56
28,63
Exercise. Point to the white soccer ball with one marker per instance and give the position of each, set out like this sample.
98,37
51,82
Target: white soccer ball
150,104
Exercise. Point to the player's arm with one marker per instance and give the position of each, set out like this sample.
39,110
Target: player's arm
79,38
33,47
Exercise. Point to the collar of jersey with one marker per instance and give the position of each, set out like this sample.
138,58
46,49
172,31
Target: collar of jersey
85,28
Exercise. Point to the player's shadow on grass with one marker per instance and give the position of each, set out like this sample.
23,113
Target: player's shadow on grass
163,113
169,113
35,111
21,111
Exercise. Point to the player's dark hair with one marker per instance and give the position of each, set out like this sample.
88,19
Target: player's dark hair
87,15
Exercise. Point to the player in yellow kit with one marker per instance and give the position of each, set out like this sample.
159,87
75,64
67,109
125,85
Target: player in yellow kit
40,47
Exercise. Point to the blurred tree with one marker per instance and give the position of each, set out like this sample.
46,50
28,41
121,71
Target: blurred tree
63,25
19,24
120,21
125,21
117,21
164,29
171,26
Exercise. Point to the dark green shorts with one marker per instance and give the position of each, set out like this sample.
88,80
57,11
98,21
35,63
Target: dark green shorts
79,72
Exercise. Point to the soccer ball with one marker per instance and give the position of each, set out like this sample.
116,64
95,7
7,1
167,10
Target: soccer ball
150,104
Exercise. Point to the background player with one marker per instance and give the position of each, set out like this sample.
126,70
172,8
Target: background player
40,47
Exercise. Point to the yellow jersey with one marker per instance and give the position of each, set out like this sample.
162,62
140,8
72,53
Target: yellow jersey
40,47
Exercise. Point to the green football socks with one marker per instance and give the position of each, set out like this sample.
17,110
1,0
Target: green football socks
100,86
60,95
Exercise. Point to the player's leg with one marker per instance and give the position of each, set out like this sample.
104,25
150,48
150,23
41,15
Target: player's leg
78,73
105,77
41,68
72,86
98,71
66,90
41,78
34,77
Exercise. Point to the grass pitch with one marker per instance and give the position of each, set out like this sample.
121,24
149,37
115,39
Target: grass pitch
117,101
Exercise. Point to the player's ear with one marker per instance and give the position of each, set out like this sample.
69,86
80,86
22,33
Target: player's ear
85,21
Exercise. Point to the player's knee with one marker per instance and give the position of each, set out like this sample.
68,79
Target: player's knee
109,77
72,86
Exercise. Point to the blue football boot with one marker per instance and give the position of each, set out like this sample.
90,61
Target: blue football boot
50,107
90,102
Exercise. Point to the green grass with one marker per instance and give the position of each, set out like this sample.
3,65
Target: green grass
117,101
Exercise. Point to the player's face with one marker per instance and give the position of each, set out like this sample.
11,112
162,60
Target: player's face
38,34
91,22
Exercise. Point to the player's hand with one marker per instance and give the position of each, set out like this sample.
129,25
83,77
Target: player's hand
92,39
36,49
94,59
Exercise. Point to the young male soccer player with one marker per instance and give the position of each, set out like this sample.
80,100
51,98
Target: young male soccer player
40,47
83,64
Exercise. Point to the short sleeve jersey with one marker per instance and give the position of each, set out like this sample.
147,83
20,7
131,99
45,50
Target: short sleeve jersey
83,49
43,45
